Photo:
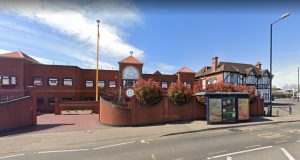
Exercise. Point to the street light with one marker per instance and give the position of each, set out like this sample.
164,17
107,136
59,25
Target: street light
97,60
298,86
282,17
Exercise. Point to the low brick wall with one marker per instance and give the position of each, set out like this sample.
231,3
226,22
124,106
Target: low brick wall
111,114
17,113
257,107
76,105
140,114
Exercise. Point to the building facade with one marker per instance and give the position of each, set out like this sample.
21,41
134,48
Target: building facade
237,74
71,83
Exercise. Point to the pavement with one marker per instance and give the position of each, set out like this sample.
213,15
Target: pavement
64,136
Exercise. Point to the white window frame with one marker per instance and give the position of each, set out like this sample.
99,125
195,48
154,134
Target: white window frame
89,83
53,81
101,84
112,84
5,79
67,81
36,80
164,84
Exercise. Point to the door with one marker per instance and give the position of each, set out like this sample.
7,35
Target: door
229,111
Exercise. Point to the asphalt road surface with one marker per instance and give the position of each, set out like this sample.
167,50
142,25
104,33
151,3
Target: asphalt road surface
264,142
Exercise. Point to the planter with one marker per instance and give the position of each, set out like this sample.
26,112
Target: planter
72,112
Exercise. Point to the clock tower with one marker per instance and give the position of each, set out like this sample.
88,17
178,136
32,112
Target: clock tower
130,70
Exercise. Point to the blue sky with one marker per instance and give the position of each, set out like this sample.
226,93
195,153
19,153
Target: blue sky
164,36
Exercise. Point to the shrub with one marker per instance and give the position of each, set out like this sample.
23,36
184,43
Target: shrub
227,87
148,92
179,94
198,88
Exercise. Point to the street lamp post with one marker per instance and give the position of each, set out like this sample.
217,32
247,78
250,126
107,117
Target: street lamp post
271,30
298,86
97,61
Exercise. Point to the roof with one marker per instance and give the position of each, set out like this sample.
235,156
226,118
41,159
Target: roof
18,54
157,72
131,59
240,68
185,70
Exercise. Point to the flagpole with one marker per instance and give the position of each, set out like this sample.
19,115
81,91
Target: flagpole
97,61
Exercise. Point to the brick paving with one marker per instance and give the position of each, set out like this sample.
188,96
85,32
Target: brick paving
64,123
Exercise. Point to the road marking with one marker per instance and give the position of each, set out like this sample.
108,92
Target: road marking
298,141
113,145
16,155
239,152
253,146
297,131
59,151
153,157
287,154
270,135
217,152
229,158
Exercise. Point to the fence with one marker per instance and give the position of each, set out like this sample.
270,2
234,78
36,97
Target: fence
12,95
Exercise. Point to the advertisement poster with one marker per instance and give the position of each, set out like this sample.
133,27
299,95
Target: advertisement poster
243,108
215,110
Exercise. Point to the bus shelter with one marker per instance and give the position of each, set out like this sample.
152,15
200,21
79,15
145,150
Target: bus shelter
226,107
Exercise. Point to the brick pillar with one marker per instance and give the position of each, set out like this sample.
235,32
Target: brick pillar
56,107
33,108
132,106
166,108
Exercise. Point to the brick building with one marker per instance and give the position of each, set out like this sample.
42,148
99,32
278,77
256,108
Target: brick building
238,74
18,71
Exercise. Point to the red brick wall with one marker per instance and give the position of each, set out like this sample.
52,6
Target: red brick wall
257,107
12,67
139,114
116,116
17,113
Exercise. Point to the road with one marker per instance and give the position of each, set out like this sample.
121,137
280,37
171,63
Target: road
263,142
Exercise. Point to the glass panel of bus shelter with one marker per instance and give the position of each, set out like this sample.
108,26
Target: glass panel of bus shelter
243,111
215,110
229,113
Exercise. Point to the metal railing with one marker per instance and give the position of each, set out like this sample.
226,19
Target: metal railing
11,95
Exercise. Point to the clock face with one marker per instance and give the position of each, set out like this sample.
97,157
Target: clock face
130,72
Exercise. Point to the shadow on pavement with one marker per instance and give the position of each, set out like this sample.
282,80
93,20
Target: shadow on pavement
38,127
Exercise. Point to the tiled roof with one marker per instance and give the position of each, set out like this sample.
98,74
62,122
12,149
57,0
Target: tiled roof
231,67
19,54
131,59
157,72
185,70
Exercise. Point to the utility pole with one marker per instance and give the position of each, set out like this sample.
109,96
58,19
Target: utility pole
97,61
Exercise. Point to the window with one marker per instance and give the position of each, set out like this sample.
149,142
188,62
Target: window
188,85
101,84
67,99
39,101
68,82
203,84
89,83
37,81
5,80
13,80
251,79
51,101
164,84
53,81
112,84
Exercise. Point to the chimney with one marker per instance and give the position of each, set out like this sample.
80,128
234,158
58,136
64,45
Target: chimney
214,63
258,65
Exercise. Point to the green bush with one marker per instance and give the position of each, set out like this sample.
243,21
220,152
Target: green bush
148,92
179,94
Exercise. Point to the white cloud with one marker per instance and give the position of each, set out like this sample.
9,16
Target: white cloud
77,19
4,51
161,67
